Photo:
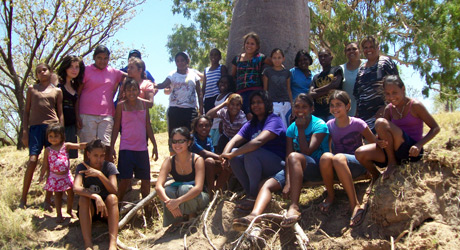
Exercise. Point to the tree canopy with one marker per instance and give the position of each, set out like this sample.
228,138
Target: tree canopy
420,34
45,31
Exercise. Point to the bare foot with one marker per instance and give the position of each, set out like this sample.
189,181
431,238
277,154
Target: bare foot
22,204
60,219
47,207
72,215
389,171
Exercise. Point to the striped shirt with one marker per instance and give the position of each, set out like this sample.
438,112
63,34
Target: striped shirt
212,76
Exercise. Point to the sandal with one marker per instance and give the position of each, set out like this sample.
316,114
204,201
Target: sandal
241,224
246,205
358,218
290,221
324,207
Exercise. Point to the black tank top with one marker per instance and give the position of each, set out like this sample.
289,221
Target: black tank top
182,178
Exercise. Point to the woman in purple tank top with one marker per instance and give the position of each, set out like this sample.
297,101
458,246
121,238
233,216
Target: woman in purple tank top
400,132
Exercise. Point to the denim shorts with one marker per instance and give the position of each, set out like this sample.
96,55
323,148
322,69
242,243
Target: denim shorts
280,177
355,167
136,162
37,139
311,171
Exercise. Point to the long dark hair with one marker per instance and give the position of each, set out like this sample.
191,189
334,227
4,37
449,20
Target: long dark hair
65,64
268,104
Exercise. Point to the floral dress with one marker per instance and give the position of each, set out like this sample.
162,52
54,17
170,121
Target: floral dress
58,161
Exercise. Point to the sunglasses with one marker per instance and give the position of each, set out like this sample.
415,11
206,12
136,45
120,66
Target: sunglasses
178,141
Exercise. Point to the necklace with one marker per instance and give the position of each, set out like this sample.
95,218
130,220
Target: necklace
402,110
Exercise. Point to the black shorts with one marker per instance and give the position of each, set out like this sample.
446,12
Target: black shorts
402,153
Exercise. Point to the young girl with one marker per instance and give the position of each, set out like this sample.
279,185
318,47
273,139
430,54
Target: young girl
346,135
132,114
70,72
231,116
43,107
307,140
329,79
226,87
136,70
96,184
184,198
185,90
57,166
211,77
247,68
400,132
95,102
277,81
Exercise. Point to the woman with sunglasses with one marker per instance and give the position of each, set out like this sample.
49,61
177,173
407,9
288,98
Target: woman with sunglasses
185,197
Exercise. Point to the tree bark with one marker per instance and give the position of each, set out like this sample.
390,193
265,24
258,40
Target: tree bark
279,24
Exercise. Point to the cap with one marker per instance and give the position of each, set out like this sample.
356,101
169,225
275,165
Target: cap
134,53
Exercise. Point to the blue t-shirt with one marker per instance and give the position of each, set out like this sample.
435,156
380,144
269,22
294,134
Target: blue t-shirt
299,82
274,124
199,145
316,126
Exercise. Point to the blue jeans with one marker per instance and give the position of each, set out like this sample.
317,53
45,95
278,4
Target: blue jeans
254,166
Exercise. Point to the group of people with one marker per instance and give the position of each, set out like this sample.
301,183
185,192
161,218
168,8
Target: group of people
270,127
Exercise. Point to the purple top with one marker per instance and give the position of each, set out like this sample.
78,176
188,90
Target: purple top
346,140
274,124
411,125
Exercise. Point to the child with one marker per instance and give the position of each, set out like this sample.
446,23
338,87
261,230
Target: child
232,119
43,107
307,140
226,87
185,90
346,135
247,69
203,146
211,76
70,72
132,114
329,79
57,165
185,197
96,184
277,81
400,132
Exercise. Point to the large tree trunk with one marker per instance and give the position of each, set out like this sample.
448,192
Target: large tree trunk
279,24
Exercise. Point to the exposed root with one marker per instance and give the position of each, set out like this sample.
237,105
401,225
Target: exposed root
205,217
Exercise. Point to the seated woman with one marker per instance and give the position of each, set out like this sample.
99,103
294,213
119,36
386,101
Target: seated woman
400,133
184,198
258,150
307,140
202,146
346,135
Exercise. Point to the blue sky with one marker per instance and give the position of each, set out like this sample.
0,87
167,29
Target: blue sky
149,31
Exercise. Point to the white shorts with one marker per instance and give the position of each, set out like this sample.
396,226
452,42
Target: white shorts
96,127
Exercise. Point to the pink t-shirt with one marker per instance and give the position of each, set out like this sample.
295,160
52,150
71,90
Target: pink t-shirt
98,89
145,87
134,134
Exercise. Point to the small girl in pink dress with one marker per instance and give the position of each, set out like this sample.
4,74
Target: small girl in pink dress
57,166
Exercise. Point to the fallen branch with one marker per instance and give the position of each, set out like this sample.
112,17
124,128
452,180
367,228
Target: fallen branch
122,245
302,238
205,230
249,229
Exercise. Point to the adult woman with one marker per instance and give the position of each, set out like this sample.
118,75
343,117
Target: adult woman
70,73
260,147
368,89
96,99
350,71
184,197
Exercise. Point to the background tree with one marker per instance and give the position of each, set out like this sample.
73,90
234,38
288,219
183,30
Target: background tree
158,118
45,31
421,34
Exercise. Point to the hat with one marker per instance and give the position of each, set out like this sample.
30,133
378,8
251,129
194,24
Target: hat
134,53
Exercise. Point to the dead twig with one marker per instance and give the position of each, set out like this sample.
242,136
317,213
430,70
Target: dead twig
122,245
248,230
205,217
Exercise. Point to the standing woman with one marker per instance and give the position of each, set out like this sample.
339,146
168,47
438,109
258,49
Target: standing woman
185,89
136,70
350,71
70,73
368,89
260,148
300,74
96,99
